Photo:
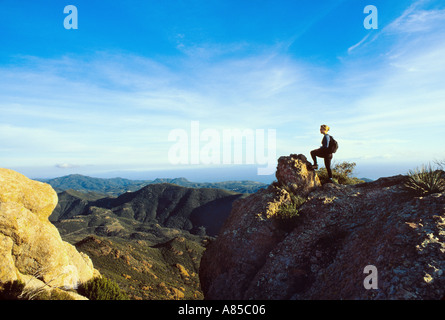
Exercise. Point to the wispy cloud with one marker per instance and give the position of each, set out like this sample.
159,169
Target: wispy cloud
415,20
66,165
350,49
110,111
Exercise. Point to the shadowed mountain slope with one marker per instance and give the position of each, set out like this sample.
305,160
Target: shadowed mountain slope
171,206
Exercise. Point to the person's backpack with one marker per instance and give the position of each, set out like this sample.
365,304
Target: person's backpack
333,145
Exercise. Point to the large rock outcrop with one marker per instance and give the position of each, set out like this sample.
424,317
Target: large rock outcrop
295,174
31,248
339,232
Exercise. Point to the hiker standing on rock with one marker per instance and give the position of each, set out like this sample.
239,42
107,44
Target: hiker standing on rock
325,151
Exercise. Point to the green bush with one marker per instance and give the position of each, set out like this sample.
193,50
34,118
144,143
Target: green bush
289,212
341,174
101,289
426,180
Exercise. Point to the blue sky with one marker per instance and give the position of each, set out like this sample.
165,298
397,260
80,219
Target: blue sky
102,99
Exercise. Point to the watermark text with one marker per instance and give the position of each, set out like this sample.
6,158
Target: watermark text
226,146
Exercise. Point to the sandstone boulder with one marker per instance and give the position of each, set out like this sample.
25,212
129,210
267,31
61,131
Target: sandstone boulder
295,173
31,248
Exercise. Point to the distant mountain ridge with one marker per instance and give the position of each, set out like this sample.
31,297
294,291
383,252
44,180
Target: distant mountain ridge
118,186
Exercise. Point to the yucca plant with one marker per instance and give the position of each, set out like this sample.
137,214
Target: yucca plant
426,180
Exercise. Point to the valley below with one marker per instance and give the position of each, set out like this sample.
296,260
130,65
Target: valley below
150,241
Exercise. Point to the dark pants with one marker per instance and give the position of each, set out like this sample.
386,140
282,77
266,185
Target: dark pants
322,153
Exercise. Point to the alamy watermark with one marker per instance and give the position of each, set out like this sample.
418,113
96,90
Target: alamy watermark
227,146
371,21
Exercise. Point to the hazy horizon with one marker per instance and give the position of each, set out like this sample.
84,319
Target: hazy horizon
227,173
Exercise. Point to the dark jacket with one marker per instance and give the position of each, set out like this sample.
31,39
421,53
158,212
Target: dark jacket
325,141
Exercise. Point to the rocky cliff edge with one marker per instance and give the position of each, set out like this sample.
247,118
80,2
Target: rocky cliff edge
31,249
367,241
